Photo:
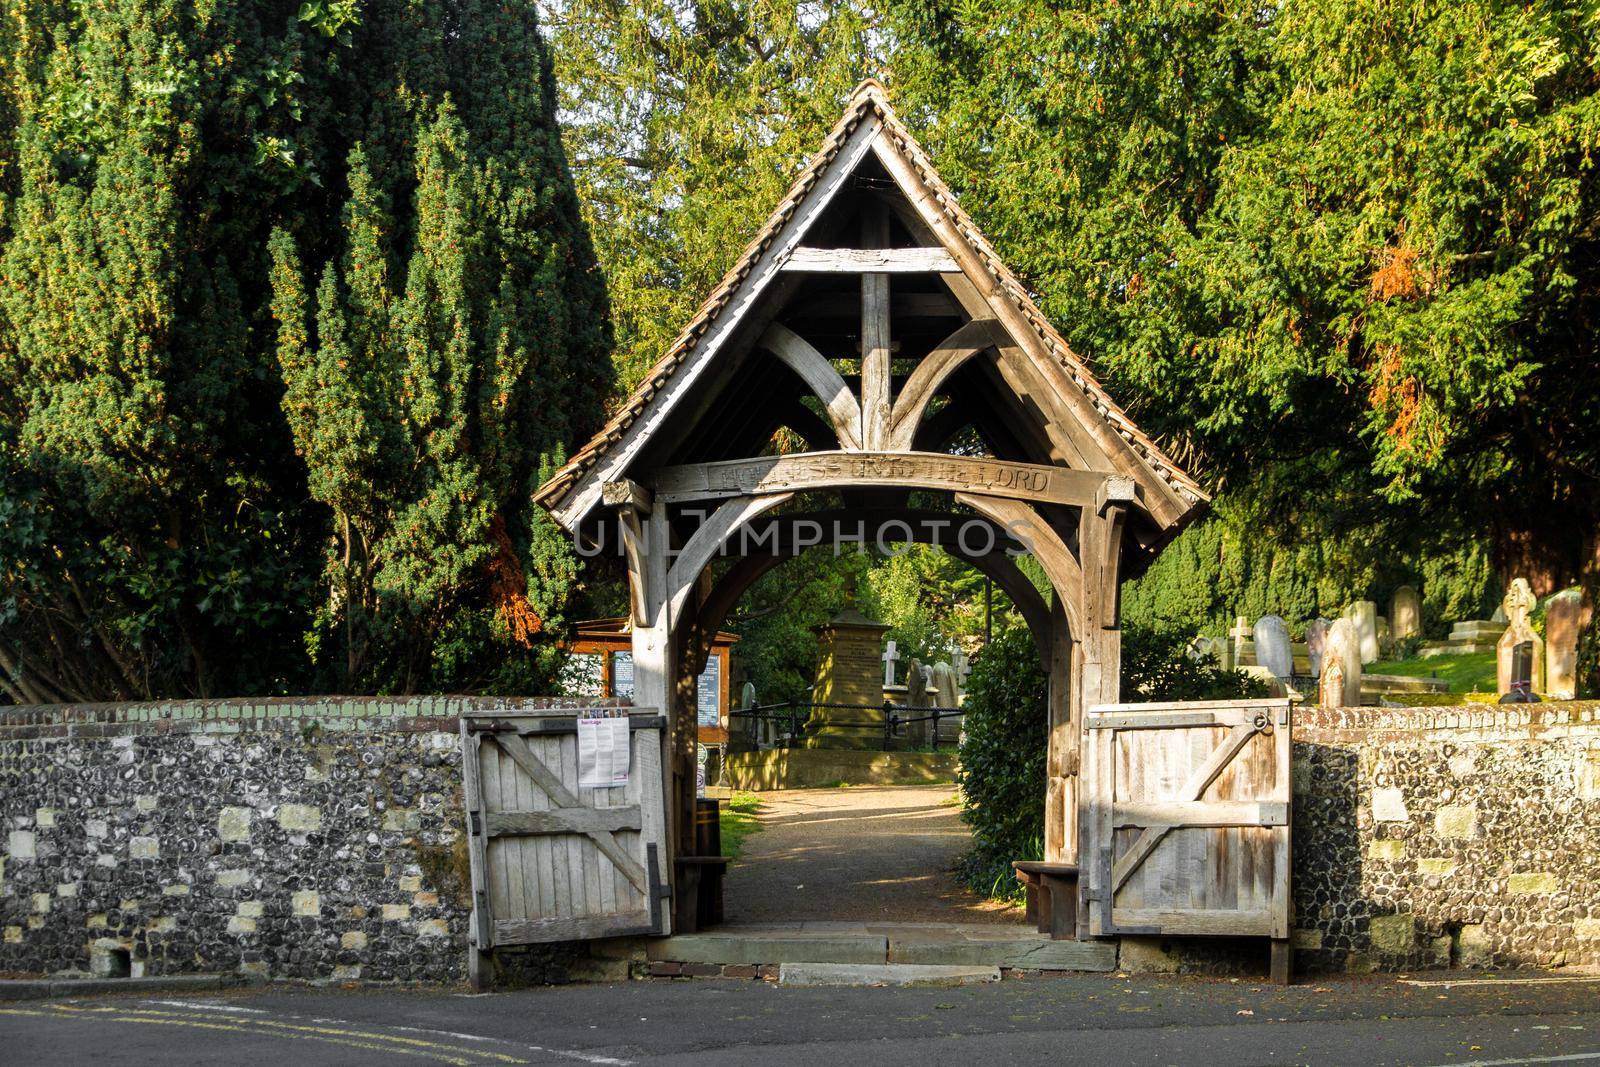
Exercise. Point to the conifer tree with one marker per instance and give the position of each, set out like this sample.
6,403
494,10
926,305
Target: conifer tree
456,341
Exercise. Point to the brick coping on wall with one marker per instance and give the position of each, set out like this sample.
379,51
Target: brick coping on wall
419,714
433,713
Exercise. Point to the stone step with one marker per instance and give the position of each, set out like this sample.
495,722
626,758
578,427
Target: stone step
883,974
755,948
1031,954
925,945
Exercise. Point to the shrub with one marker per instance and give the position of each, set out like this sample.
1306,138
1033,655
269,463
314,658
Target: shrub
1002,762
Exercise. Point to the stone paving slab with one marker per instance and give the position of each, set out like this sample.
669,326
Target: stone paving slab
883,974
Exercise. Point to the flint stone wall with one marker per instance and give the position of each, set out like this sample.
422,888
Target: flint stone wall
322,839
311,838
1435,837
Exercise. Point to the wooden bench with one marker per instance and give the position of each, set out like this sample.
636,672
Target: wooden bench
1052,894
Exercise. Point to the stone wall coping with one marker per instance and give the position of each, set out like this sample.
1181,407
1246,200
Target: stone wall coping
1313,722
412,714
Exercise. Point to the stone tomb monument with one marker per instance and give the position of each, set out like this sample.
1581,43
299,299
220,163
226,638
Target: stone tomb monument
1562,615
1273,649
849,671
1518,605
1405,613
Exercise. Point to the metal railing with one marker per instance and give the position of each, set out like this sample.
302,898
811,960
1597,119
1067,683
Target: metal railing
795,714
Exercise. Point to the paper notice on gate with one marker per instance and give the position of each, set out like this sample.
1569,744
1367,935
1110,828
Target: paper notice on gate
603,748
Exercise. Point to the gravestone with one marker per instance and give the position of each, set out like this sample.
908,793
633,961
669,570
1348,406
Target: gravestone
1241,640
1363,615
1405,613
1205,648
1316,642
889,657
946,693
1521,689
961,663
1518,604
1562,615
917,684
1340,683
1272,646
849,671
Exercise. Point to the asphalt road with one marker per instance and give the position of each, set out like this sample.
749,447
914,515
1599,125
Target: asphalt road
1099,1020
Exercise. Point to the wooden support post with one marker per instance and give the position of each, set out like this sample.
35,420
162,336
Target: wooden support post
1099,645
655,652
1282,965
875,340
1061,760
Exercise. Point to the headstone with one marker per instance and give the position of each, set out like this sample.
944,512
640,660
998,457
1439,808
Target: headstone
1340,683
1562,615
962,665
1316,642
1204,648
917,685
1518,604
944,692
747,695
849,672
1241,639
1405,613
1272,646
1521,691
1363,615
889,656
1383,632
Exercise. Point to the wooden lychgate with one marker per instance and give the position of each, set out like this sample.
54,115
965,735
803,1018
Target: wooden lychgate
551,859
1186,816
870,319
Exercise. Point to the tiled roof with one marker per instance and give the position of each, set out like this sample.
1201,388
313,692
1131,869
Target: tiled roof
868,99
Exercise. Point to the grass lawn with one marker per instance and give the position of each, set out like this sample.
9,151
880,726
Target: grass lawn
1465,674
739,820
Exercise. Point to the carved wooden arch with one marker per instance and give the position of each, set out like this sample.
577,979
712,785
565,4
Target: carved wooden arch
713,607
935,368
843,409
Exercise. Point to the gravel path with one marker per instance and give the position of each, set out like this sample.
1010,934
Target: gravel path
859,854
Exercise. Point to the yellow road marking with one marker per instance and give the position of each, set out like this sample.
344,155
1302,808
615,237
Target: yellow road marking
20,1011
348,1039
334,1031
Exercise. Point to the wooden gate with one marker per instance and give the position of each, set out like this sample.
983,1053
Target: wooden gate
1187,820
550,860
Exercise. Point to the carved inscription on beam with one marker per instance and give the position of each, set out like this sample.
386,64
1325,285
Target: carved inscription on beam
920,470
871,261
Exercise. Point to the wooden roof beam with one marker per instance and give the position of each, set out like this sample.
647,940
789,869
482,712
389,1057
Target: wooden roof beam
870,261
